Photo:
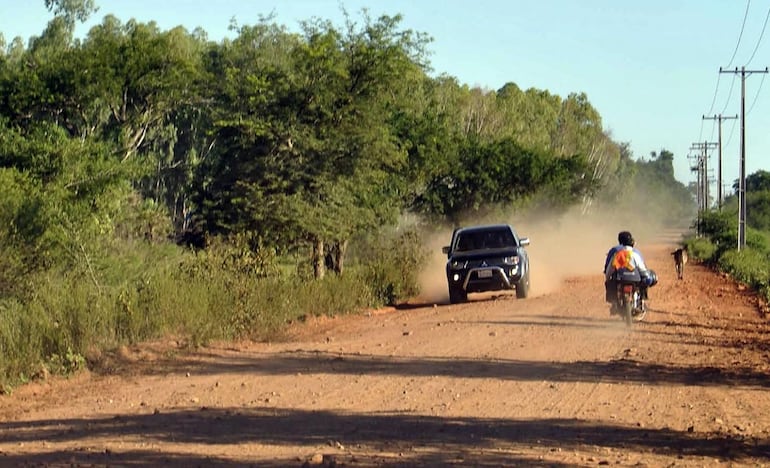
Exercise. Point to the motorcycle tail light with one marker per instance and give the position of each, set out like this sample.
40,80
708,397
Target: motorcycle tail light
627,288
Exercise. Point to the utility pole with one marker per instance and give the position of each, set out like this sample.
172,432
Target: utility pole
742,171
697,167
704,179
719,118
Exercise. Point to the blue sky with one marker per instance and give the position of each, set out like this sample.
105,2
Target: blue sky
650,68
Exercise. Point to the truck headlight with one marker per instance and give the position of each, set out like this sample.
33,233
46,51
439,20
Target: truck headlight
512,260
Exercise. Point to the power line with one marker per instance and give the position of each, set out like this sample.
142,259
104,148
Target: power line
759,41
760,38
700,134
729,94
756,95
713,101
719,75
732,131
745,15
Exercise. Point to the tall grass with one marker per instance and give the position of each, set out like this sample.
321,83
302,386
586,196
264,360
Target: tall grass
750,267
145,291
718,247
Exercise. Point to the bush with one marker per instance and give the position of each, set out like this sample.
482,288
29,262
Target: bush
700,248
133,290
749,267
392,266
721,228
719,247
757,240
19,344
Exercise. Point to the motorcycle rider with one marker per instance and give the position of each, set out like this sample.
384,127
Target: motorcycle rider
625,256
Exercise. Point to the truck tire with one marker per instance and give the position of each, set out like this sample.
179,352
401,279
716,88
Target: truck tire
522,287
457,295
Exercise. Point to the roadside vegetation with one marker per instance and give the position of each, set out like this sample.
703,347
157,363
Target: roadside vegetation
718,243
157,183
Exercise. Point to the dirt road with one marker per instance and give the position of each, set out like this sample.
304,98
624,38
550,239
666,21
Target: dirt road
552,380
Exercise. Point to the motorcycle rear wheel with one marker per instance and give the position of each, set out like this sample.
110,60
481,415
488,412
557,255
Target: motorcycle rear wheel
628,312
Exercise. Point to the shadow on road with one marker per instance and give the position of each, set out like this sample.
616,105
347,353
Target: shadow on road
613,371
418,303
367,437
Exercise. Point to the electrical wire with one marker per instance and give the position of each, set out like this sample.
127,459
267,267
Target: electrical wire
700,134
719,75
743,26
754,101
732,130
759,41
714,100
730,94
714,127
729,139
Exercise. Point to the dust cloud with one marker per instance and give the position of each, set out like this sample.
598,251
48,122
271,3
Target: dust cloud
563,245
432,279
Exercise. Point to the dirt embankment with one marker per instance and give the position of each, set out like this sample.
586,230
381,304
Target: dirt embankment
552,380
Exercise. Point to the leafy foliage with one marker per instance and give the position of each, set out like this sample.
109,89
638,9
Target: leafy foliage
276,155
750,267
749,264
501,173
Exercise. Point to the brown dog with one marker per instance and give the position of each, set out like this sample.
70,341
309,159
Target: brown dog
680,259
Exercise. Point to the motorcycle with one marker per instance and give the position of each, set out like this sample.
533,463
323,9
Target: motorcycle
629,301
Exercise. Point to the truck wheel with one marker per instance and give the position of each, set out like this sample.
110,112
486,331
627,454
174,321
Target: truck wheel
522,287
457,295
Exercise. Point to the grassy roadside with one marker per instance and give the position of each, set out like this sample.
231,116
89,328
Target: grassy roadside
717,247
67,318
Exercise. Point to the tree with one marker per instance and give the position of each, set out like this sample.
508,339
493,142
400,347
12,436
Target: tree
71,194
530,117
308,154
758,209
758,181
502,173
72,10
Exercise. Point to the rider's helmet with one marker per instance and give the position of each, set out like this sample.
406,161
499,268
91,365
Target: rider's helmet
625,238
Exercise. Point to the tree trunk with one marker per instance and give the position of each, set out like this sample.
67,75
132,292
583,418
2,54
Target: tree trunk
318,259
342,247
335,256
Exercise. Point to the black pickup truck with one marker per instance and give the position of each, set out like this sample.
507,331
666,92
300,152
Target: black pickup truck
487,257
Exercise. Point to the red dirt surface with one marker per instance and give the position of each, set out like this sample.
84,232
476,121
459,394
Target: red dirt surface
551,380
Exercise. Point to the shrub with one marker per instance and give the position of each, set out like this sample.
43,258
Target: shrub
392,266
749,267
124,292
700,248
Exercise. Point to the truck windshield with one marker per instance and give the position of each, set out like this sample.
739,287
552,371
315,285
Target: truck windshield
488,239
